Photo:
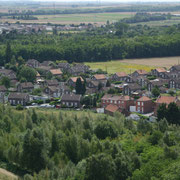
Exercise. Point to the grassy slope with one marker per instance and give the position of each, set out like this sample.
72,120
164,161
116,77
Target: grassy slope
5,175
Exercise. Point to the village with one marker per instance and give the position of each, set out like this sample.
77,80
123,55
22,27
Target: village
64,85
20,28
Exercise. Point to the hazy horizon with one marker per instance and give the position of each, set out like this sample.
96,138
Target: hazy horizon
97,0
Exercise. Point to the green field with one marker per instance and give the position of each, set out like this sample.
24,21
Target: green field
99,18
118,66
83,18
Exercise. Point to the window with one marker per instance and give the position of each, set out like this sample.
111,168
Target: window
142,110
115,102
139,103
122,102
111,101
142,103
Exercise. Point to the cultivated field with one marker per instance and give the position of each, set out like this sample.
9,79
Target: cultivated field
118,66
130,65
158,62
99,18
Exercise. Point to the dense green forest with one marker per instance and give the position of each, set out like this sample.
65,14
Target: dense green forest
115,41
36,144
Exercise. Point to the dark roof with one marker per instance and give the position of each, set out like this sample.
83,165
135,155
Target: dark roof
31,61
15,95
134,86
159,82
27,85
46,63
63,65
52,82
176,80
71,97
45,68
177,67
6,71
2,88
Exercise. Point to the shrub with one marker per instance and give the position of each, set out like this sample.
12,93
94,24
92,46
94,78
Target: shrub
19,107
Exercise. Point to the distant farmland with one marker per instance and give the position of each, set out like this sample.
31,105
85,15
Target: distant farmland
99,18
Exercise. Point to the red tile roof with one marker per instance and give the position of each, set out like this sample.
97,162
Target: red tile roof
112,108
111,97
161,69
100,76
141,71
165,99
56,71
144,98
121,74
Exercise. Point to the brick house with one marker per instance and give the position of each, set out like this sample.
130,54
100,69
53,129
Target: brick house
174,84
141,80
111,109
156,83
159,72
57,91
18,98
123,102
92,84
175,68
72,100
72,81
144,105
8,73
131,88
165,100
120,76
52,91
26,86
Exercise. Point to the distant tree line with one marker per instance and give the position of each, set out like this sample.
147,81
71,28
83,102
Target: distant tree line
25,17
146,17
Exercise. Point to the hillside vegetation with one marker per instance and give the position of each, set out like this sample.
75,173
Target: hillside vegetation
37,144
